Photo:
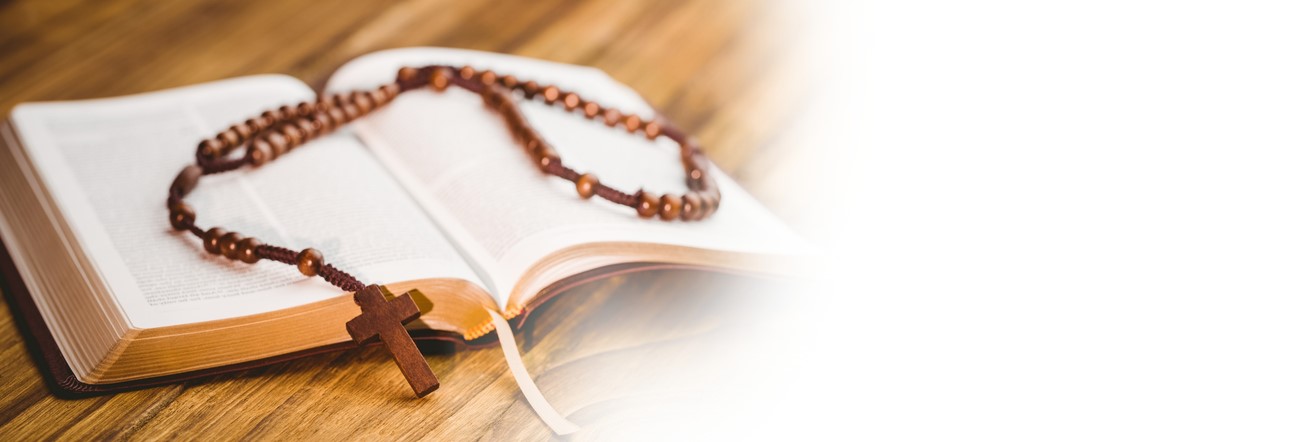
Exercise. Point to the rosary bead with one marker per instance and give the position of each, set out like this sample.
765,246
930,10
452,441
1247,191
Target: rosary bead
186,180
287,112
229,138
671,208
708,204
406,74
305,108
323,122
571,101
466,73
350,110
272,116
652,130
308,129
591,109
229,245
378,97
647,205
259,152
509,81
244,130
294,135
612,116
212,240
530,89
362,100
310,262
587,185
255,124
633,123
182,216
338,117
547,156
246,250
279,144
390,91
690,206
488,78
440,79
551,94
210,149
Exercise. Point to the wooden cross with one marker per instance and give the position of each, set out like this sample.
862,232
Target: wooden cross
384,319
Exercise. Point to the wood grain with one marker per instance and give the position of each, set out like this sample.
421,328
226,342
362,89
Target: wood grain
604,353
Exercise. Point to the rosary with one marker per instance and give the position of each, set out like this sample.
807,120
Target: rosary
277,131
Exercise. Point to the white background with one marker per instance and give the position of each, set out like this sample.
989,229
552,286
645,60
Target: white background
1061,220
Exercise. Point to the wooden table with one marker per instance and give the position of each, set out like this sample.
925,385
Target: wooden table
723,70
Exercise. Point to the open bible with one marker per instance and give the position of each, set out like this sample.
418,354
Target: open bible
429,193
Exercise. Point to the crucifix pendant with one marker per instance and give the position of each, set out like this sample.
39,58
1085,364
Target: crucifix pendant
384,319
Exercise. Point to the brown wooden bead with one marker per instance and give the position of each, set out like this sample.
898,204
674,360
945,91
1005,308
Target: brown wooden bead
229,245
530,89
533,146
612,117
186,180
440,79
323,121
551,94
288,112
255,124
305,108
279,144
632,123
362,101
652,130
406,74
591,109
378,97
391,90
308,129
323,103
259,152
670,208
488,78
212,240
647,205
690,206
182,216
211,149
243,130
246,250
466,73
292,134
571,101
338,117
229,137
509,81
310,262
547,156
708,205
351,111
272,116
587,185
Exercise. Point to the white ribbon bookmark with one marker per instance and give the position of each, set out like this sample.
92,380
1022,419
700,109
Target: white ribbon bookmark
552,418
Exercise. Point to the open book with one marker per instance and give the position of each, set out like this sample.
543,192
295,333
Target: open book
429,193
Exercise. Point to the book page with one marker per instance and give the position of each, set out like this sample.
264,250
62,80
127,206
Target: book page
503,212
108,164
